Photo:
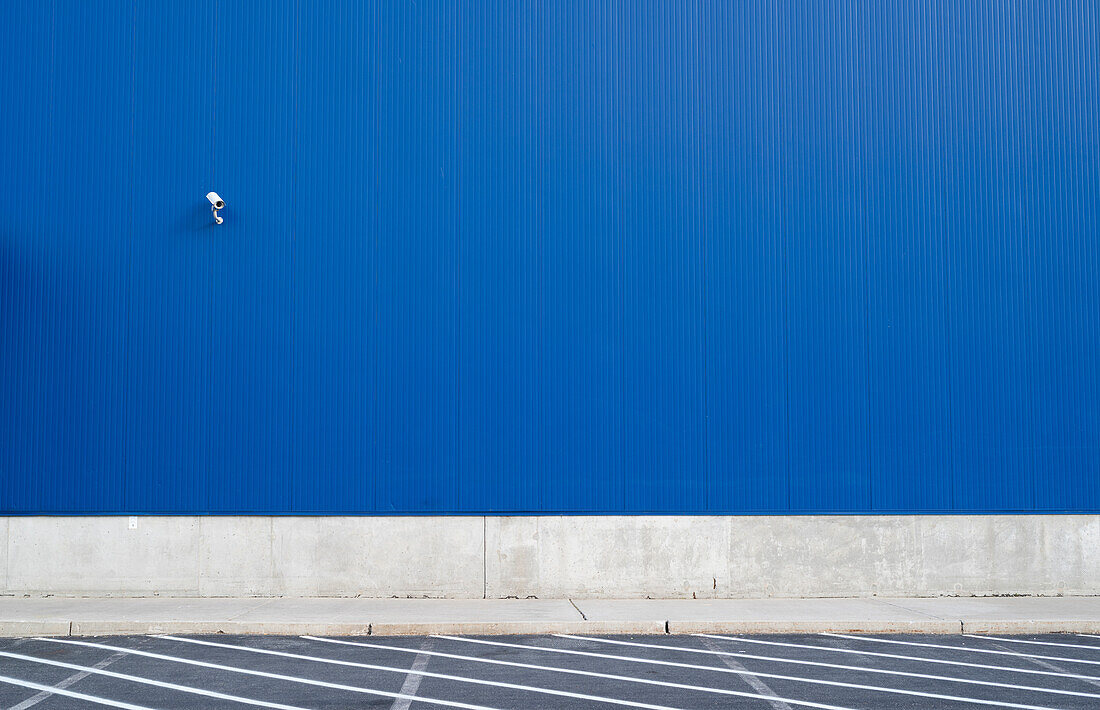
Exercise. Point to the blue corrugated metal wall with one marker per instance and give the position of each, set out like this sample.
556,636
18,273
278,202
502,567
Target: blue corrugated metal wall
550,256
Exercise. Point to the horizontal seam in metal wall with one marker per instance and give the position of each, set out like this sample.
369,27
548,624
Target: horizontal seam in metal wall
540,513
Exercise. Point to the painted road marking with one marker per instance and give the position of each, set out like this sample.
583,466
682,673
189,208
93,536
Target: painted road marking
31,702
412,681
429,674
149,681
962,648
264,674
943,661
822,664
776,676
576,671
71,694
1052,666
1036,643
757,684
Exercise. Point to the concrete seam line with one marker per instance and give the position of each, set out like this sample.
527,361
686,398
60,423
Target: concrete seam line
250,609
65,683
429,674
265,674
911,611
574,671
964,648
271,556
198,555
72,694
753,682
941,661
7,556
86,670
776,676
822,664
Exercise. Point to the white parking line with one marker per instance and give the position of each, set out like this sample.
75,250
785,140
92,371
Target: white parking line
961,648
74,678
264,674
941,661
1036,643
150,681
427,674
1053,667
412,681
71,694
756,683
576,671
822,664
796,679
1088,636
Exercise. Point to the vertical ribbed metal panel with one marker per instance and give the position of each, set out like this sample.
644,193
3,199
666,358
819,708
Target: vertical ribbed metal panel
67,186
901,120
167,368
341,325
745,260
602,256
256,125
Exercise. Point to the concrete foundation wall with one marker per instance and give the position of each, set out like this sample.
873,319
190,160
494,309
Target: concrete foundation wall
548,556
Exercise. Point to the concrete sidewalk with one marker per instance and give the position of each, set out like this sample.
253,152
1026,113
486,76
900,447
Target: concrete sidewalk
56,616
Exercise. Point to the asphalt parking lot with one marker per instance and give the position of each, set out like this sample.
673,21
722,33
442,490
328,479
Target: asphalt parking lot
815,671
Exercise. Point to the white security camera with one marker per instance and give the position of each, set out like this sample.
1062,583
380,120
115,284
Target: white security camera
216,203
